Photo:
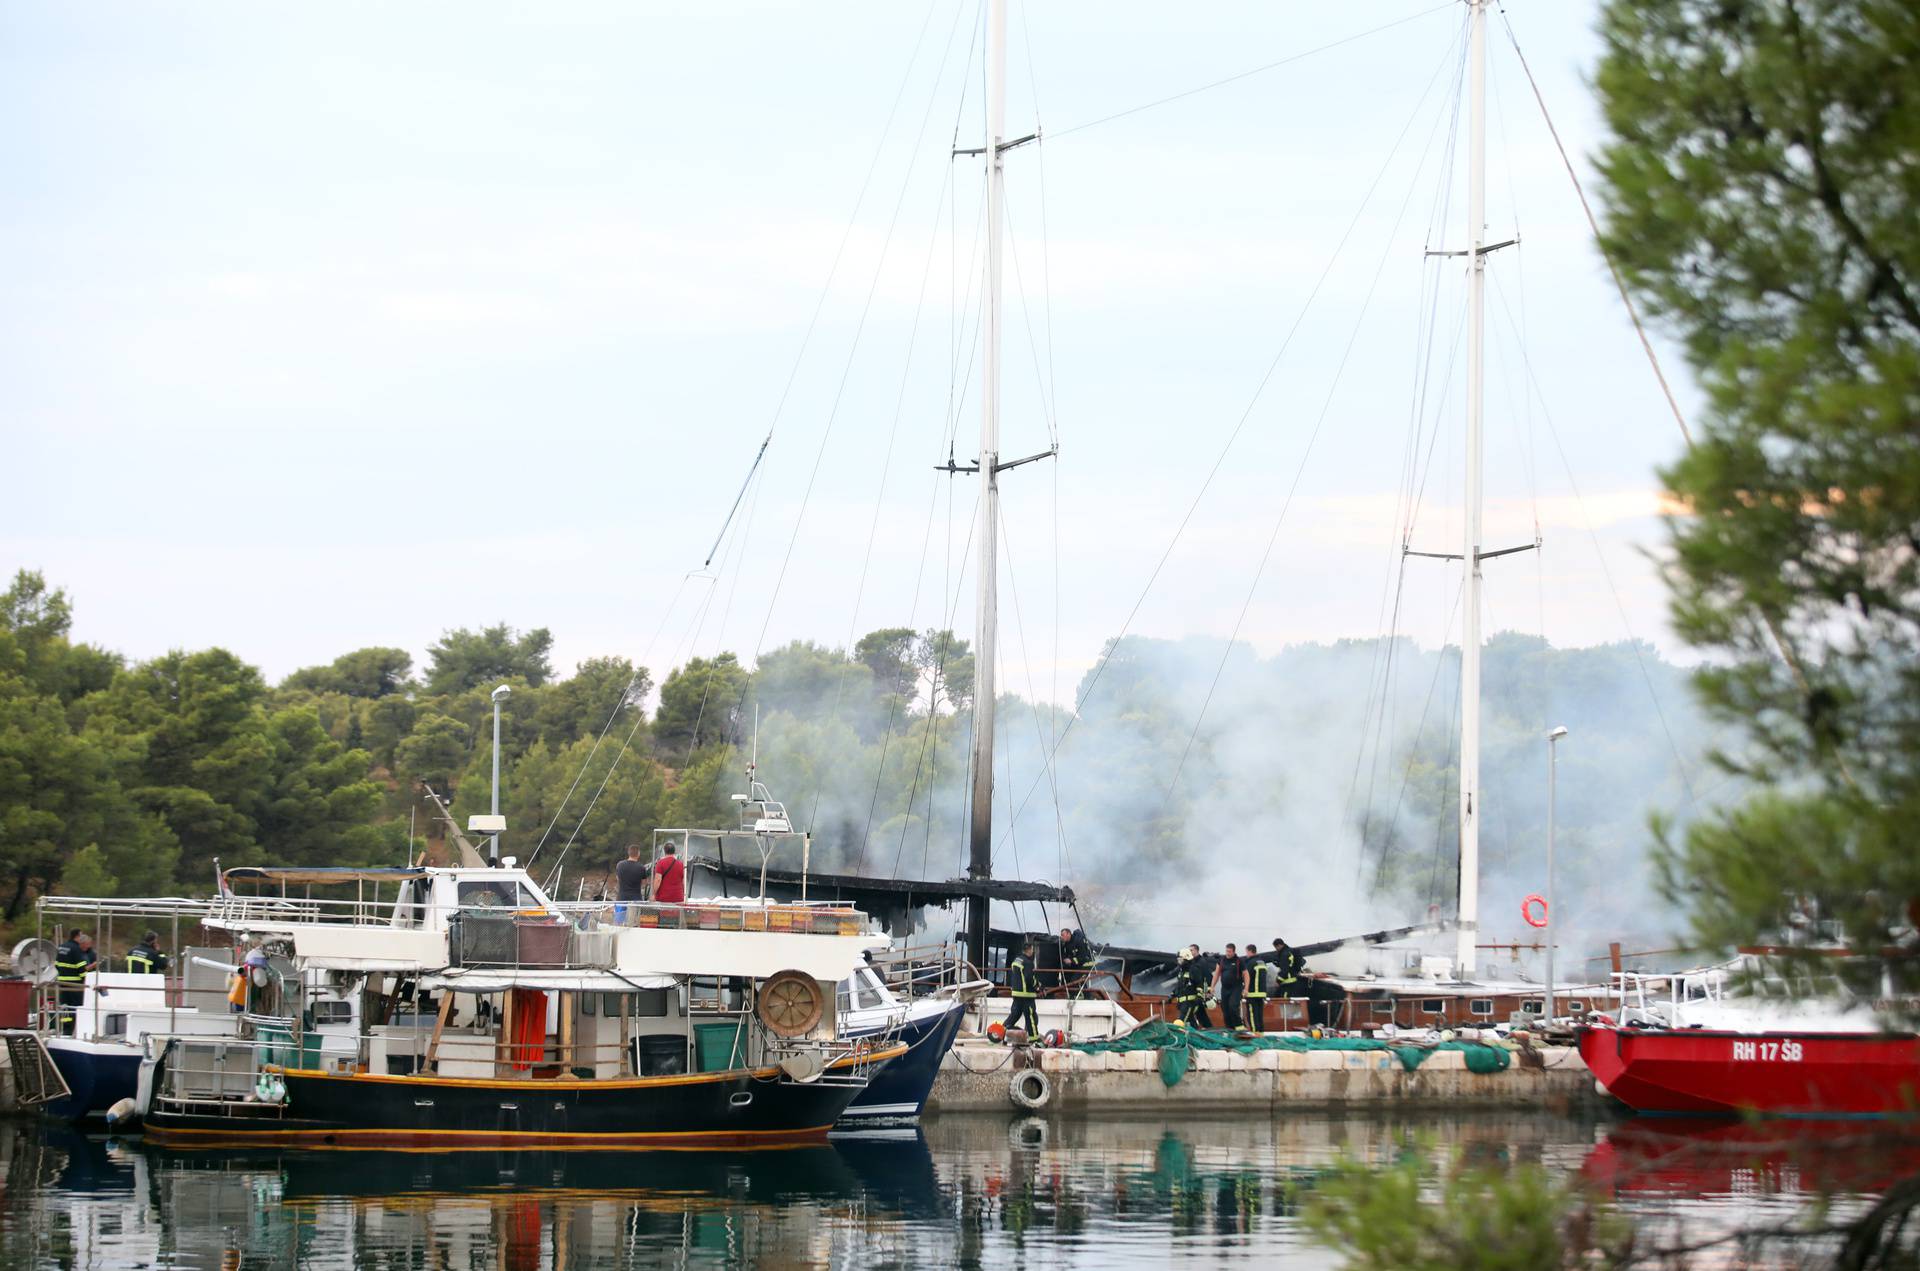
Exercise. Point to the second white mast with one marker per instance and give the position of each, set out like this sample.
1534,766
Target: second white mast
986,617
1469,910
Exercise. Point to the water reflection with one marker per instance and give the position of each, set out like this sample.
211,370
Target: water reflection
975,1191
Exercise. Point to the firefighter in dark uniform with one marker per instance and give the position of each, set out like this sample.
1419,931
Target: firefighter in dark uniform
1263,977
1291,967
71,962
1023,985
1076,962
145,958
1194,977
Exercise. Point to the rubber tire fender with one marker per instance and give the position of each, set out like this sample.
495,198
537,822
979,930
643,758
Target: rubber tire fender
1030,1089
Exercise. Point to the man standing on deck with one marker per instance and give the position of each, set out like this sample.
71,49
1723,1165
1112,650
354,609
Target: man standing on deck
1227,984
669,879
1023,986
145,958
71,962
630,878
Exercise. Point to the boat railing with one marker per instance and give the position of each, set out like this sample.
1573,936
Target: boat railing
819,919
258,913
920,971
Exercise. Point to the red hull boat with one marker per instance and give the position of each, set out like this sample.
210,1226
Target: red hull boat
1688,1156
1708,1072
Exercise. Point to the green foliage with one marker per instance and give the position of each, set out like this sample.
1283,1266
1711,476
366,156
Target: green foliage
462,660
889,654
1428,1212
701,704
435,751
811,681
88,873
384,724
703,795
946,668
1761,187
366,673
603,694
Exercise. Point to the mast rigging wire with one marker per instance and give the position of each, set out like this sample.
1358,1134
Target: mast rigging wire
1258,70
1787,654
1220,459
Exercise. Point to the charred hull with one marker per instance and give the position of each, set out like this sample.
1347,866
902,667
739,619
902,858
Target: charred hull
738,1109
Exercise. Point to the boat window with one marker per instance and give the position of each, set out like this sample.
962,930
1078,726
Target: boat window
1433,1006
496,893
650,1003
332,1012
1481,1006
1575,1005
866,991
587,1003
1530,1008
1383,1009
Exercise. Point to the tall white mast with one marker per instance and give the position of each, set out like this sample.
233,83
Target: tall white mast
980,824
1470,602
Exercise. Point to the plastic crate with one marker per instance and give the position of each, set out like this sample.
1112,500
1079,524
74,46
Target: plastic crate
779,920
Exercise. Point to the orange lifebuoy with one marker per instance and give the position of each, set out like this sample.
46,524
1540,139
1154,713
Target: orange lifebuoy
1526,911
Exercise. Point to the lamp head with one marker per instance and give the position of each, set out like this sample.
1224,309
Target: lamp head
503,691
1557,734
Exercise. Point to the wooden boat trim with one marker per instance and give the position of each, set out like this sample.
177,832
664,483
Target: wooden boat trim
769,1073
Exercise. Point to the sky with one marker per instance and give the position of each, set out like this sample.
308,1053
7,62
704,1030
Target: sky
333,326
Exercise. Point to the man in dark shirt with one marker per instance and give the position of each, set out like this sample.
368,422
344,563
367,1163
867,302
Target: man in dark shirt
1228,980
630,877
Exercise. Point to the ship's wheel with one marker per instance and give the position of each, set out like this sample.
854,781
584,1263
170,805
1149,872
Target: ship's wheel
791,1003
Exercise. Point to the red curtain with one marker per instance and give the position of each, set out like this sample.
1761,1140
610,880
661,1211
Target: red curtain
529,1038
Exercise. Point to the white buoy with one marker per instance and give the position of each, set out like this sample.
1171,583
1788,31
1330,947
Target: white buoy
123,1112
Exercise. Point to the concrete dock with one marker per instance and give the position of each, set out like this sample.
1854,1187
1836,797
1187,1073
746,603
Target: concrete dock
978,1077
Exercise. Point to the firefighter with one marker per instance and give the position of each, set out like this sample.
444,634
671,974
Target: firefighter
1190,987
71,962
1023,985
145,958
1228,981
1262,977
1076,962
1291,967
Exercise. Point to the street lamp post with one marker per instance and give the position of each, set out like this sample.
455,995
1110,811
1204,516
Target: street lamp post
499,695
1553,914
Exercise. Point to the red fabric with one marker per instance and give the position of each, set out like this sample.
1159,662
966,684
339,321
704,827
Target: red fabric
529,1038
670,888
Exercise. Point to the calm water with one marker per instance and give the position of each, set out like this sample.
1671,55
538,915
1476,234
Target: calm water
973,1191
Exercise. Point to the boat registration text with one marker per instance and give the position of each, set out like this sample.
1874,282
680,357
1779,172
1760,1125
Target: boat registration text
1787,1051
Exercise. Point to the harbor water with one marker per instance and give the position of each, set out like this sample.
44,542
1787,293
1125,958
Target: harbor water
968,1191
